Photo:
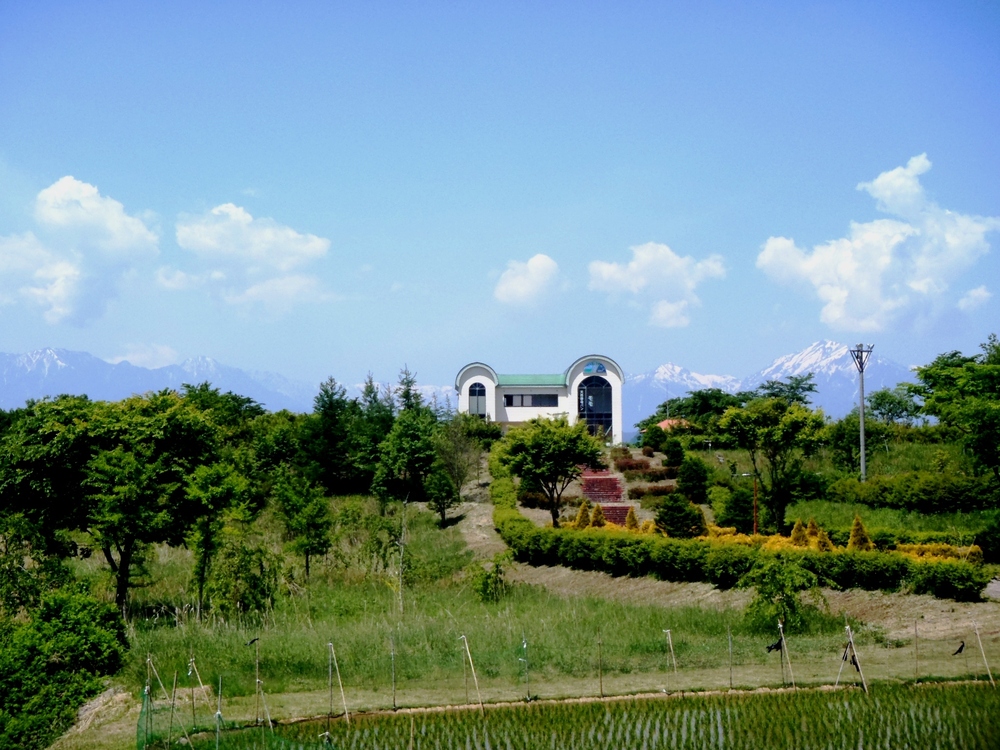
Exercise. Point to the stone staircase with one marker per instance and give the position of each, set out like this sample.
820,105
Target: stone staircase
605,489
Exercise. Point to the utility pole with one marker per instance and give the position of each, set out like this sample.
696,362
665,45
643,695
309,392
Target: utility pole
860,355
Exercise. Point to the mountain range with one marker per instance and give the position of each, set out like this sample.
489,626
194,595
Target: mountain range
831,364
49,372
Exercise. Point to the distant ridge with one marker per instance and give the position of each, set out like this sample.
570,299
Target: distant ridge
50,372
830,362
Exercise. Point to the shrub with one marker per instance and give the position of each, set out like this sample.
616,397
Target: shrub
812,530
778,582
957,580
823,543
738,511
648,527
631,522
647,451
489,583
673,451
653,438
582,516
620,451
726,564
799,536
641,491
631,464
692,480
597,519
650,475
859,541
679,518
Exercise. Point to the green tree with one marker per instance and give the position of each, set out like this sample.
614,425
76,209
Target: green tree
794,390
370,429
692,480
244,578
327,438
137,484
892,406
440,491
738,511
779,583
305,510
457,451
964,392
844,440
547,454
673,452
680,518
859,540
654,437
405,457
775,433
211,490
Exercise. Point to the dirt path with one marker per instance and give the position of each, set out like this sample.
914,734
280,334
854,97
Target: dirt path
895,613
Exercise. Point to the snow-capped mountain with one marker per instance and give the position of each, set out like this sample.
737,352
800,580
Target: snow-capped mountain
833,371
50,372
642,393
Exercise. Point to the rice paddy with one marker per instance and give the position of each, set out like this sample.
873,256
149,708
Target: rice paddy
891,716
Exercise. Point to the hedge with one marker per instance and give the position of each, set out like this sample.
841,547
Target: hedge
921,491
623,553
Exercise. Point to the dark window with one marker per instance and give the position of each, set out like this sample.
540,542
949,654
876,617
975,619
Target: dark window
536,399
594,405
477,399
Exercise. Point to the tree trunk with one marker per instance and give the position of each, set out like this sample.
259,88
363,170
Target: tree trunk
110,558
554,510
124,574
307,566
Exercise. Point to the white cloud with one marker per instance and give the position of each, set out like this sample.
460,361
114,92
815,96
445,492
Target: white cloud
279,293
74,269
247,260
148,355
79,208
974,298
657,272
525,282
670,314
867,279
228,233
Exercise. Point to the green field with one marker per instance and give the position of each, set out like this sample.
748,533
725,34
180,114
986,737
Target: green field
892,716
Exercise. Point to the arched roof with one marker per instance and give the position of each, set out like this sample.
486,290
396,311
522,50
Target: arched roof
606,360
461,373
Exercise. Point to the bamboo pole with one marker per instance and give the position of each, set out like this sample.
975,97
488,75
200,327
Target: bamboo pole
983,652
857,659
218,715
475,679
340,682
600,663
784,648
916,653
729,635
173,698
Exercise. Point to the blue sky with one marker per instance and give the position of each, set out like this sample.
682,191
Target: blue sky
327,189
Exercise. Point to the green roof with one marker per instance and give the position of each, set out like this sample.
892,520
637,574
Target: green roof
532,380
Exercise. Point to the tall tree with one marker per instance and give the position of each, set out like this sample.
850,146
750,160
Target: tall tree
137,481
457,451
775,432
964,392
328,435
405,457
306,513
794,390
548,454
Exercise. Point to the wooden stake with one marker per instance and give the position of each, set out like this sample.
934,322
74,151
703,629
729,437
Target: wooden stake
472,666
173,697
916,654
784,648
218,715
600,663
392,655
854,652
729,634
983,652
343,698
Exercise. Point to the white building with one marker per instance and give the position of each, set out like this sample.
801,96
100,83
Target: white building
590,389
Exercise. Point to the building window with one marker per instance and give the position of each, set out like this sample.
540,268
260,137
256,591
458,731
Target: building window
477,399
531,399
594,405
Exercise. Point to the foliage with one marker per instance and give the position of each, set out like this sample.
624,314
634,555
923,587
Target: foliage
775,433
892,406
692,480
794,390
738,511
673,452
244,578
928,492
406,456
305,510
582,519
597,519
860,541
799,536
488,582
679,518
548,454
844,440
327,438
631,522
654,437
964,392
52,663
778,583
457,449
441,491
